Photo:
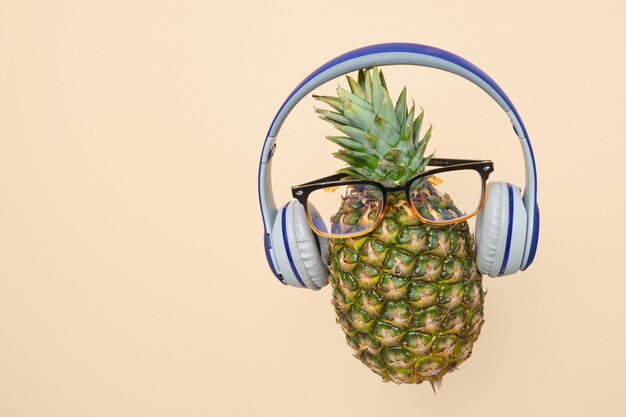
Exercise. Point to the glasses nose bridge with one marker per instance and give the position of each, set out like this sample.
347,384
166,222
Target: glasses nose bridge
395,189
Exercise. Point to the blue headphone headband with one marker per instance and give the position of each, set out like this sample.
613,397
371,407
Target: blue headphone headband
400,54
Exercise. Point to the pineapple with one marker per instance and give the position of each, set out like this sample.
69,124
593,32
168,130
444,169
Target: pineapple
407,295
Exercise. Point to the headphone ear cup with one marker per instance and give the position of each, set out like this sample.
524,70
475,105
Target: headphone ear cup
296,249
322,242
312,249
501,230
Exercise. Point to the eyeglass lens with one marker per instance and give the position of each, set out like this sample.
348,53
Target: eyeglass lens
447,196
345,209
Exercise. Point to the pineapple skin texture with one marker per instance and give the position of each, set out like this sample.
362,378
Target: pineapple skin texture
408,296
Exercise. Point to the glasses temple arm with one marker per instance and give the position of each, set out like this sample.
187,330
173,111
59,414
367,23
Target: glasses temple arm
444,162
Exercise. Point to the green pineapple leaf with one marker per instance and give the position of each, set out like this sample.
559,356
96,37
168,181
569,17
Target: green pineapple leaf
356,158
381,139
401,110
332,116
347,143
334,102
355,172
377,91
367,85
356,88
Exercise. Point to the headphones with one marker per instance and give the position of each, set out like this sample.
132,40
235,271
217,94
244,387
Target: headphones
507,228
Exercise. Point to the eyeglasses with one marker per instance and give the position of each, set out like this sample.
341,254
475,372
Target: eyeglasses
337,207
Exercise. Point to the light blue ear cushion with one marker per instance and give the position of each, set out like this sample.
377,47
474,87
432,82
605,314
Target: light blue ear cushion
489,223
303,242
299,260
518,228
501,230
319,223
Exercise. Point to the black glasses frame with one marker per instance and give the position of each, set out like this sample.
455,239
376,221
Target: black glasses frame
483,167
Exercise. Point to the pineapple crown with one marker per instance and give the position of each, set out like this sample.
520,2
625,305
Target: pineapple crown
380,140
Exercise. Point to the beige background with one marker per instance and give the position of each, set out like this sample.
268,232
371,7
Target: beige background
132,275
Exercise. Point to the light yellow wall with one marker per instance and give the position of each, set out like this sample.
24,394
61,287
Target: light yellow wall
132,275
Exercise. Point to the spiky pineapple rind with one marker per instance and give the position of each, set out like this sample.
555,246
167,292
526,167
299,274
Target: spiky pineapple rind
430,316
